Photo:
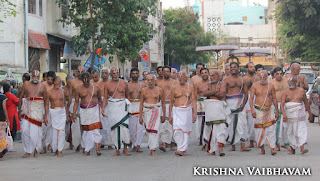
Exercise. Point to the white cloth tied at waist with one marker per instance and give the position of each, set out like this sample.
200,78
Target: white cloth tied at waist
182,118
34,109
295,111
90,116
135,107
216,110
59,118
118,108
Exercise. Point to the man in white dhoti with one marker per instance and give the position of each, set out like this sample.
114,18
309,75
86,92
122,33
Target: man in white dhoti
183,109
119,109
73,132
294,104
57,99
47,128
263,95
216,113
166,130
249,79
35,95
280,84
237,96
151,101
200,126
90,114
135,128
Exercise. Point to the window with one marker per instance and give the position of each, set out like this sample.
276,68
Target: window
32,6
40,7
244,18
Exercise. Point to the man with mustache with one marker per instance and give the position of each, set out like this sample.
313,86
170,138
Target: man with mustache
294,105
262,97
32,117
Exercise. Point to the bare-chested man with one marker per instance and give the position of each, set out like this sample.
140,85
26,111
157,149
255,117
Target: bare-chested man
216,113
197,78
32,114
135,128
199,89
160,75
262,96
151,101
90,96
106,131
47,129
249,79
302,81
182,112
68,130
25,77
294,105
280,85
166,131
44,76
116,90
57,100
236,98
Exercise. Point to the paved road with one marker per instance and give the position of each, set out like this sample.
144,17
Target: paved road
167,166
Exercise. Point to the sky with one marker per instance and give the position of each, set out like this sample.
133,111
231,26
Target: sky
180,3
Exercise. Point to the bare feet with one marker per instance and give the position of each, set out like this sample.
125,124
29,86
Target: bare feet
60,154
213,153
180,153
292,151
277,148
86,153
204,148
78,148
26,155
117,153
70,147
44,150
153,153
304,151
162,148
50,148
273,152
134,149
98,153
233,148
251,145
126,152
286,147
139,149
35,154
172,146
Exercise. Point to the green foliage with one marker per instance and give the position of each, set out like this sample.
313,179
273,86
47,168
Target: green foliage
183,34
7,9
116,26
299,31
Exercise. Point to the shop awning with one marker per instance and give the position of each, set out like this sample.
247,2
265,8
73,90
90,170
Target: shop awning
37,40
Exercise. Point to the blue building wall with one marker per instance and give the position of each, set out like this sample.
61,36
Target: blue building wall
235,10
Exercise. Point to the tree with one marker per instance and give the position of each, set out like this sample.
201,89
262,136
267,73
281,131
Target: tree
183,34
116,26
7,8
299,31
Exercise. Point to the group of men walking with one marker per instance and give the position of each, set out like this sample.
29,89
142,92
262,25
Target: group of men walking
95,112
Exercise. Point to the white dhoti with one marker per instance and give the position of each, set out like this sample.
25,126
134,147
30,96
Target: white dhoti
31,124
281,129
91,124
118,115
106,130
73,128
182,126
250,121
238,124
166,130
297,127
135,128
216,123
200,125
152,124
59,118
47,131
264,126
